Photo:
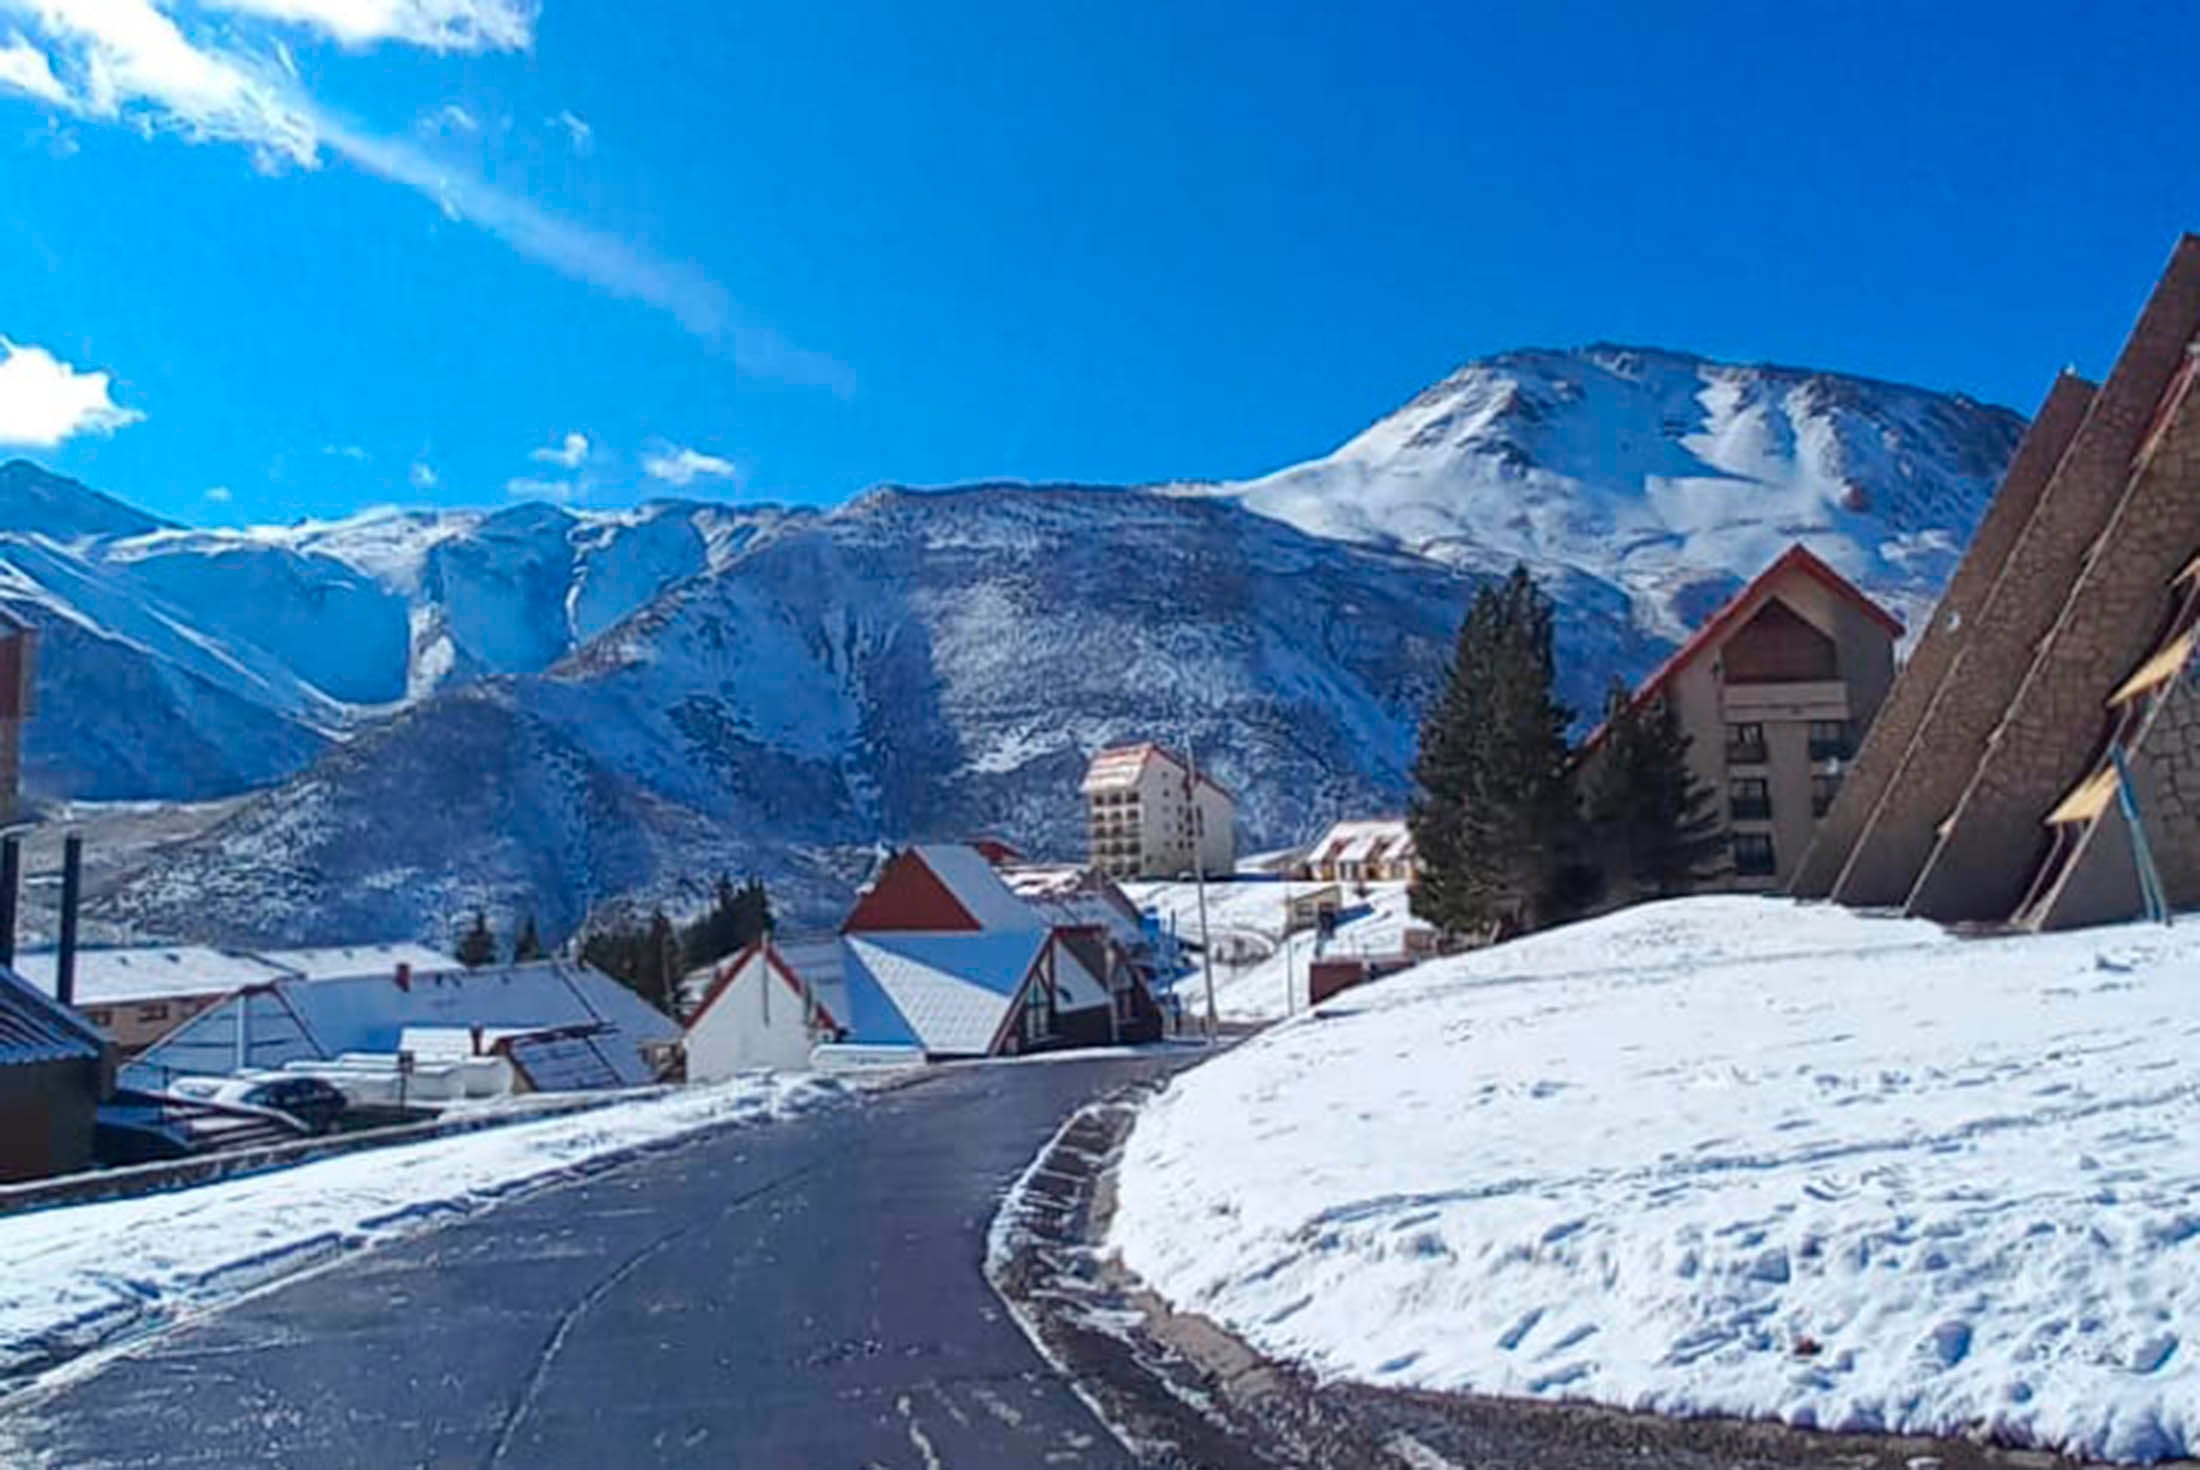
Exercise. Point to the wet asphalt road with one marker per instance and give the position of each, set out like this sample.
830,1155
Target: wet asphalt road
806,1294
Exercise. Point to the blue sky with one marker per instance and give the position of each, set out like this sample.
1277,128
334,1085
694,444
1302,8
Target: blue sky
333,253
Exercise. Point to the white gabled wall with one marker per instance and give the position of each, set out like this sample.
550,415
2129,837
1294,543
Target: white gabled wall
754,1021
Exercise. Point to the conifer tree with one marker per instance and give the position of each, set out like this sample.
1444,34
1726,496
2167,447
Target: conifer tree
477,946
660,971
1492,818
1651,820
527,949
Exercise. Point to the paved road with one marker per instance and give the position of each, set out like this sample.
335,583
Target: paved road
801,1295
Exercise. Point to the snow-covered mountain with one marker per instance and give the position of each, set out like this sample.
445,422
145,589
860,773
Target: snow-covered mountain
1670,476
549,708
181,664
913,664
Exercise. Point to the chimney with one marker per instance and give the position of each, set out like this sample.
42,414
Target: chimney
11,882
404,976
64,960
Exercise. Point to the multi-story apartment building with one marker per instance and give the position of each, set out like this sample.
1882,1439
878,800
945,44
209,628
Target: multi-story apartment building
1775,692
1149,816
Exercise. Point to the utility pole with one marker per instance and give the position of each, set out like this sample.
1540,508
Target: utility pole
1199,876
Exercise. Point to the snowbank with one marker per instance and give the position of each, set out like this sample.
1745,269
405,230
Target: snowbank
1721,1155
78,1277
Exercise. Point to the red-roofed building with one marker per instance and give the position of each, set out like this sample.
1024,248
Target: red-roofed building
1775,692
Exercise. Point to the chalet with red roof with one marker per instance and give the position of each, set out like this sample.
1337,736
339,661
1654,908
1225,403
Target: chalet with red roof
1774,692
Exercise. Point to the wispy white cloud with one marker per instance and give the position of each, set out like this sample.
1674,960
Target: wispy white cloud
557,492
676,464
422,475
436,25
131,61
578,133
344,451
567,454
127,60
448,120
219,494
24,68
44,401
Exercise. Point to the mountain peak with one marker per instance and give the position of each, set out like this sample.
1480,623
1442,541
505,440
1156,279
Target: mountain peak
1651,469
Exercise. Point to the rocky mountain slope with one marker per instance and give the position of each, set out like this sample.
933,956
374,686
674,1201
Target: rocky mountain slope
546,708
911,664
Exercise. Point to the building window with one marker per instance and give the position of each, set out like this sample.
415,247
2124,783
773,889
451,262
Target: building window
1745,745
100,1016
1753,854
1830,740
155,1011
1748,799
1035,1012
1823,789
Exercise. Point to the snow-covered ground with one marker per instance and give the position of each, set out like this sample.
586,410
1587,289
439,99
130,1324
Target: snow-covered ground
1257,976
81,1276
1720,1155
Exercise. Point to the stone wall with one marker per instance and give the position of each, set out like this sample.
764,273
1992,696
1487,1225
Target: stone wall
1890,734
2029,595
2100,883
2051,733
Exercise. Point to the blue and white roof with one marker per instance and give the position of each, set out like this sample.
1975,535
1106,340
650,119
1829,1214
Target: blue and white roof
35,1028
300,1020
977,885
948,993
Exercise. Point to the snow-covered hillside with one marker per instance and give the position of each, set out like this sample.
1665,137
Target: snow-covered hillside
183,664
1719,1156
912,665
773,685
1665,474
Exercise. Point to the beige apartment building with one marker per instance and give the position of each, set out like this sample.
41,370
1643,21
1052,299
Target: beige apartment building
1775,692
1148,816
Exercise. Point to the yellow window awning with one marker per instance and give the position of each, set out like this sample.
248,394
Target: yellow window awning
2088,799
2158,670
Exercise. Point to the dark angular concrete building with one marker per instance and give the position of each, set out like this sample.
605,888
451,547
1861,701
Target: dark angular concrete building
1987,790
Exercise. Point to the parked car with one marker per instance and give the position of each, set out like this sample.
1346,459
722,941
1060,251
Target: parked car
312,1101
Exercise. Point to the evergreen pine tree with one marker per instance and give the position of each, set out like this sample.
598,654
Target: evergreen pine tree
1652,822
528,947
660,969
1493,818
736,919
477,946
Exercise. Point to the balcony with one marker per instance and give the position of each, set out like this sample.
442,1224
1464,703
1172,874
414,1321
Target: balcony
1816,699
1749,808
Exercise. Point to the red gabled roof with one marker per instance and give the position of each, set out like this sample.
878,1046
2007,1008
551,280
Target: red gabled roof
1743,606
727,970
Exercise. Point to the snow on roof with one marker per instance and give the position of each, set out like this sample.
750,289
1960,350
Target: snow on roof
34,1028
298,1020
1119,766
1382,838
950,993
150,972
977,886
816,962
331,961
